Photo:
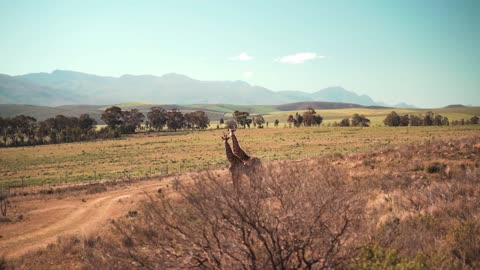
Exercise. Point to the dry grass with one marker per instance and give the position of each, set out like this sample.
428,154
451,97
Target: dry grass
383,209
143,155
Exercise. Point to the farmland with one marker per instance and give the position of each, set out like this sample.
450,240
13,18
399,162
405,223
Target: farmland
153,153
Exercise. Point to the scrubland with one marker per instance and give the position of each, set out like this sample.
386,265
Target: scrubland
411,203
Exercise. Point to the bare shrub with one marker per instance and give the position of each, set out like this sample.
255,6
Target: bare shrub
435,167
3,201
3,263
283,218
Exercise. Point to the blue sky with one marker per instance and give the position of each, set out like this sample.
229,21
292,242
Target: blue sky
425,53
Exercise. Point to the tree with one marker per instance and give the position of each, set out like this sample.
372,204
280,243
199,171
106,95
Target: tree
445,121
474,120
175,120
415,120
222,121
157,118
197,119
428,119
438,120
231,124
113,117
24,128
360,121
276,123
132,120
86,123
392,119
299,119
345,122
291,120
404,120
3,128
310,118
242,118
259,121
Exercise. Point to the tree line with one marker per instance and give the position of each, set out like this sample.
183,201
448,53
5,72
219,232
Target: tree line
358,120
393,119
24,130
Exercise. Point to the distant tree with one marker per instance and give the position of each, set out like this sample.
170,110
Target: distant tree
404,120
53,136
157,118
222,121
175,120
131,120
25,127
344,123
276,123
437,120
259,121
428,119
392,119
242,118
415,120
197,119
202,120
231,124
445,121
310,118
113,117
299,119
292,120
360,121
3,128
474,120
85,122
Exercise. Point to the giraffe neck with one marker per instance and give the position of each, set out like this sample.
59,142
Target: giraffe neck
230,156
237,150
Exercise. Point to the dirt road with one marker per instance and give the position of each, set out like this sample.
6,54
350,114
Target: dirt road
41,220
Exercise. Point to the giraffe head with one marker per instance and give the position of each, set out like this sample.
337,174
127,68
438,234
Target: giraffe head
232,130
225,137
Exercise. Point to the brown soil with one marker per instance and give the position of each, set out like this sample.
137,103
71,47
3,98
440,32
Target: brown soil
39,220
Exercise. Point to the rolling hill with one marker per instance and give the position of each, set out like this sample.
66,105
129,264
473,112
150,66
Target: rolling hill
62,87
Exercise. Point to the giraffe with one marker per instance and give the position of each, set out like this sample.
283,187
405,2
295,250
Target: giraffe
236,164
249,161
237,150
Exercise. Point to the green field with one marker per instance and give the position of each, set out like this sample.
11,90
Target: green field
377,116
148,154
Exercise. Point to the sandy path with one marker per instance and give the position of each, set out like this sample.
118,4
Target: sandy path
46,219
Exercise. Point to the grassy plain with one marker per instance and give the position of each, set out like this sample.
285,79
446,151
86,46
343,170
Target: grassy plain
147,154
377,116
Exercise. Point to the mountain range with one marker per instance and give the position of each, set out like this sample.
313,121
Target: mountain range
63,87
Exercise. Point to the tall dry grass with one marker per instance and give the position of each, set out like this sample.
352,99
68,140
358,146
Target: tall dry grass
410,207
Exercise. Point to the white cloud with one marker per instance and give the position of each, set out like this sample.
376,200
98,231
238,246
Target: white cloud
242,57
247,74
298,58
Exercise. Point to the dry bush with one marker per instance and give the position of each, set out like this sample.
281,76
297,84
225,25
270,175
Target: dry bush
430,213
286,217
